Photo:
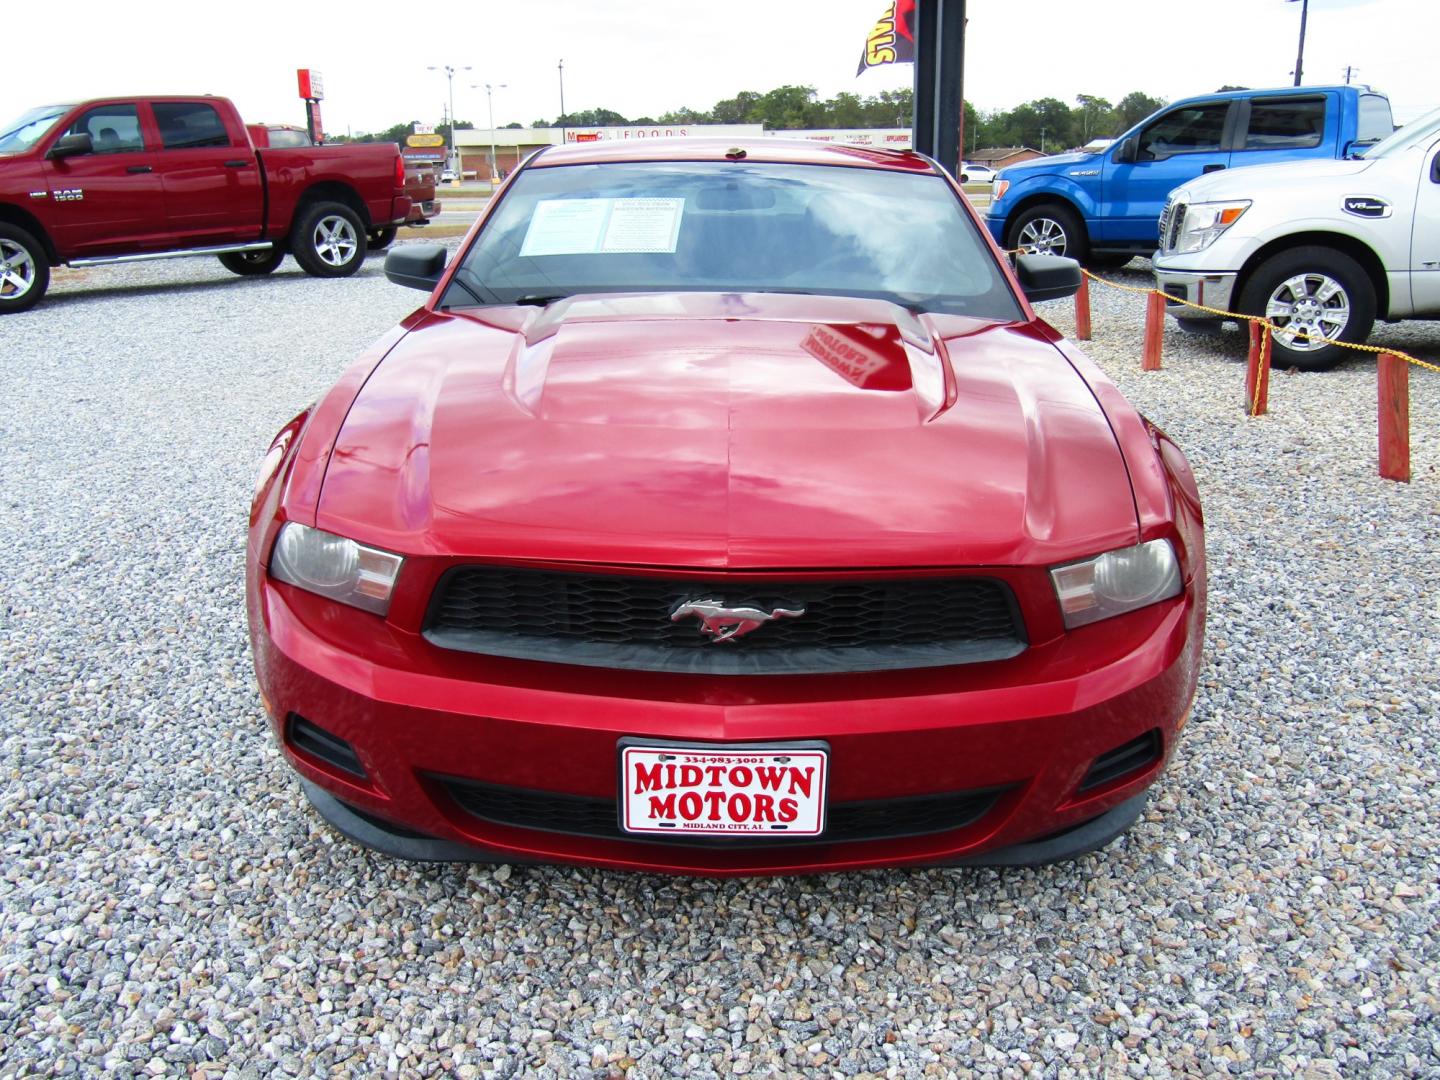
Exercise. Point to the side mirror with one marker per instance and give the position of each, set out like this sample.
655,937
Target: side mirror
1435,169
416,266
1047,277
70,145
1126,152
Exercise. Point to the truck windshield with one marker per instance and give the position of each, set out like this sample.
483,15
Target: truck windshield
733,227
23,132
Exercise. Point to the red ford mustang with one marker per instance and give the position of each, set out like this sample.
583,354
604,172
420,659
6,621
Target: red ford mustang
727,510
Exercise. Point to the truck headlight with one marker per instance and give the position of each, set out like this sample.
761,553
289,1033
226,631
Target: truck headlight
330,565
1205,222
998,191
1116,582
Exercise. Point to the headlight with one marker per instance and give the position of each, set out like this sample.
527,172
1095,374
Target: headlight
1204,222
1116,582
330,565
1001,186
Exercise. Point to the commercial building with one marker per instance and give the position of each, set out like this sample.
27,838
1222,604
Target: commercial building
512,145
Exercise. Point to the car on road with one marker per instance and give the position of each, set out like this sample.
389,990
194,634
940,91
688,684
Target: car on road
122,179
726,509
1320,249
975,173
1104,208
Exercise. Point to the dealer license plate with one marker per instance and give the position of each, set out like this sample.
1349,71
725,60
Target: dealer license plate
678,790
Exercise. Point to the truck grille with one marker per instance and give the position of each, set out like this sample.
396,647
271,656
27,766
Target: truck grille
1172,220
611,620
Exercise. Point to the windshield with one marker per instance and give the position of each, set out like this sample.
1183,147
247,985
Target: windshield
1427,127
29,128
733,227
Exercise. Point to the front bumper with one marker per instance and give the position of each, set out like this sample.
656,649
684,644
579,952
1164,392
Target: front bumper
1027,732
1209,290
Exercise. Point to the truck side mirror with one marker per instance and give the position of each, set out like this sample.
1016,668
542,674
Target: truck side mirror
1047,277
1435,169
78,142
1125,153
416,266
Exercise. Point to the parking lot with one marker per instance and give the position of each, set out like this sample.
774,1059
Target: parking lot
169,905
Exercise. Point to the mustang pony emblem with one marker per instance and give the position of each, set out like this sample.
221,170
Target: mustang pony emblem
721,623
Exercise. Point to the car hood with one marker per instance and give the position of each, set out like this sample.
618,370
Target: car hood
1039,166
1253,180
728,430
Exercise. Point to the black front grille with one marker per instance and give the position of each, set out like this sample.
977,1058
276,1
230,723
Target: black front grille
575,815
608,620
1171,222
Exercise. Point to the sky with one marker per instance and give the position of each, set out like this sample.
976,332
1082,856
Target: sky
644,57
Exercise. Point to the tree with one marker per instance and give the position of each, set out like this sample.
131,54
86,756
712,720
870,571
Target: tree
1135,107
736,110
1094,111
787,107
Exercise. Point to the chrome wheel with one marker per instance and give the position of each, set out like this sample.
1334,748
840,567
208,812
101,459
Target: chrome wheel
1314,304
334,240
17,270
1043,236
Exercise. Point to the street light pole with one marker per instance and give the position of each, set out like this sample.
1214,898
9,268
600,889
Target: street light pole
453,156
490,102
562,100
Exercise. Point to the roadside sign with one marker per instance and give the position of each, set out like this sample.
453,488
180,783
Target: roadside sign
312,86
424,140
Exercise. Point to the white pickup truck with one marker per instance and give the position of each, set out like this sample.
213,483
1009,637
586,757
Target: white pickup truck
1320,247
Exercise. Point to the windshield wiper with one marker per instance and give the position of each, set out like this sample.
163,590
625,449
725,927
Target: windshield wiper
540,299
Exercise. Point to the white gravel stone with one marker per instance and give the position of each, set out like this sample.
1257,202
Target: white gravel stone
168,905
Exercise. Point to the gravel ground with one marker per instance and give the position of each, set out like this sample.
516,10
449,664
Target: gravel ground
169,906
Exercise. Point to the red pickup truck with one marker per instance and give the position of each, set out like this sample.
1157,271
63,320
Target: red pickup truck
122,179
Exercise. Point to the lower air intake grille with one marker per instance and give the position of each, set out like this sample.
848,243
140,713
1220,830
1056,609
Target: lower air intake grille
575,815
1135,755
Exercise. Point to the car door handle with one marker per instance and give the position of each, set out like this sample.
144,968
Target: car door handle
1212,168
240,163
137,168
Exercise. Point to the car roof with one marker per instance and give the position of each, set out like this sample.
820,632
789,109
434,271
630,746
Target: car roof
769,149
1272,91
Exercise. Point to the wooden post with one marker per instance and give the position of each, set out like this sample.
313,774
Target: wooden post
1257,371
1394,418
1154,331
1082,310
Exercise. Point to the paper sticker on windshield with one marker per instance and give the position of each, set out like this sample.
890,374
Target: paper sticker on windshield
609,226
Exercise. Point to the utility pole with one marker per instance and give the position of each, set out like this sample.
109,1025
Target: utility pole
454,155
1300,55
562,100
1349,69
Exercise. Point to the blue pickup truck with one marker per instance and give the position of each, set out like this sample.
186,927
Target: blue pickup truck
1105,208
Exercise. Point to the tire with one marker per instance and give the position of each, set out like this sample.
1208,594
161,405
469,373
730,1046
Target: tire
1317,289
24,269
328,240
252,263
380,239
1049,229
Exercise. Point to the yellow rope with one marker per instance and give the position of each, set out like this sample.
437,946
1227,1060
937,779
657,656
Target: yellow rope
1263,322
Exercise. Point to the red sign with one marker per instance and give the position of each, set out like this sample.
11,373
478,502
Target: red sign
312,86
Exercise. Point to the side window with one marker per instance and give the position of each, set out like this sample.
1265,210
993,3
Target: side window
1285,123
1185,131
113,129
1375,121
185,125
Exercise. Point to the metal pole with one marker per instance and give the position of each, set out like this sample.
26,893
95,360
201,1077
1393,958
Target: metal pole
452,156
491,102
562,101
1300,56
